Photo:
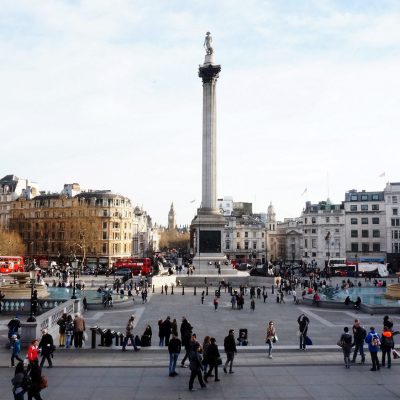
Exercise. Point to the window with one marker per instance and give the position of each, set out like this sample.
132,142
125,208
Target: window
364,207
375,197
305,220
246,234
394,199
238,246
395,211
365,247
254,245
354,221
353,208
375,221
104,225
313,220
376,247
104,215
306,243
395,234
246,245
262,235
313,254
354,233
104,248
376,233
395,221
337,230
364,221
227,234
238,234
375,207
314,243
395,247
364,197
353,197
364,233
354,247
227,245
104,235
313,231
305,254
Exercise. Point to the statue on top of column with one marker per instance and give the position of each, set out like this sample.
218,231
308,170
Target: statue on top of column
207,44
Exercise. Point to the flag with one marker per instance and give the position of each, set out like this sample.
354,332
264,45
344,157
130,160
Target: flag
382,174
305,191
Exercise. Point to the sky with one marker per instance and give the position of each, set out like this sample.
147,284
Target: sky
107,94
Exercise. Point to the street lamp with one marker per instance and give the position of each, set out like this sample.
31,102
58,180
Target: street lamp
74,265
32,278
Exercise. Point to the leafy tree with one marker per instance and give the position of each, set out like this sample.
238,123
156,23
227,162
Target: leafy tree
173,239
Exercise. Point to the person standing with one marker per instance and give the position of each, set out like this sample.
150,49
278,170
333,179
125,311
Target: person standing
345,343
16,348
206,343
166,327
359,334
47,347
174,348
62,322
161,333
252,305
202,297
129,334
174,327
230,350
271,337
69,331
373,342
79,328
303,322
196,367
216,303
213,359
387,346
387,322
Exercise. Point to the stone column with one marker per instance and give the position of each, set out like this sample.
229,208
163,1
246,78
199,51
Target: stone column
209,74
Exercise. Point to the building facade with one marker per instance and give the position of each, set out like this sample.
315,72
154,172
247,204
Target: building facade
366,225
95,226
12,187
323,232
392,205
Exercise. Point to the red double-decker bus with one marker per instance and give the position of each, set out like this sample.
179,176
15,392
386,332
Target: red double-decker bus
10,264
136,265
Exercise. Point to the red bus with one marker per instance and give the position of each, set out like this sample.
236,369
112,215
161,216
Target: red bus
10,264
136,265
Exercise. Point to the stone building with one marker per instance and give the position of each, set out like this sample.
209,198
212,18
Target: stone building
323,232
366,225
146,237
12,187
96,226
392,203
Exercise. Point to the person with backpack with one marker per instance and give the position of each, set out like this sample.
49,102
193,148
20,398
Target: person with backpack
359,334
374,343
36,384
387,346
345,343
19,382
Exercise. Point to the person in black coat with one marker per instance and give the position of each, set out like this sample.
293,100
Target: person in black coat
212,355
35,374
166,328
230,350
196,367
303,322
47,347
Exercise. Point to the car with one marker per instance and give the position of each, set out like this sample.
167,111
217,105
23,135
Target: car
123,272
259,271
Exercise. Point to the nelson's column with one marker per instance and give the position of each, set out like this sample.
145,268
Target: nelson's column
208,224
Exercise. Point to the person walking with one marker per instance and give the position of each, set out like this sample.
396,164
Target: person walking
129,334
216,301
196,367
230,350
15,349
33,351
252,305
62,322
161,333
213,359
345,343
79,328
359,334
46,347
303,322
202,297
13,328
34,388
206,344
19,382
387,346
374,343
271,337
174,349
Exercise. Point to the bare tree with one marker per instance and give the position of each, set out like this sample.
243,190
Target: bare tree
174,239
11,244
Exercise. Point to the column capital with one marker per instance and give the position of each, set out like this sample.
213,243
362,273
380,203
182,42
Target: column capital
208,73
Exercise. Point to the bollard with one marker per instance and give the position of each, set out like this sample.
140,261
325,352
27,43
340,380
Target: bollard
153,288
94,329
172,289
102,332
206,290
183,290
194,292
117,337
121,339
162,289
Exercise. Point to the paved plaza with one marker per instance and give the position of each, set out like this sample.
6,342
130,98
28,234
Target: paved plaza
317,373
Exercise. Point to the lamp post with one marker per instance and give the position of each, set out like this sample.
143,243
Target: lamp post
32,278
74,265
